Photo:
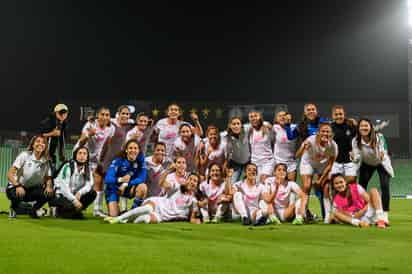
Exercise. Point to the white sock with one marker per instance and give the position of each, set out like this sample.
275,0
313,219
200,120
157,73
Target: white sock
297,208
386,216
258,214
379,214
138,211
219,211
239,204
98,202
326,204
355,222
143,219
205,213
123,203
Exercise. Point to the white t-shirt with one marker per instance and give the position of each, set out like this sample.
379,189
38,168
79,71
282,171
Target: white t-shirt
154,172
187,151
30,171
95,143
317,154
168,133
260,146
251,194
282,198
284,149
218,155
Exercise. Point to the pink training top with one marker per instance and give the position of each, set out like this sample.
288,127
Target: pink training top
342,203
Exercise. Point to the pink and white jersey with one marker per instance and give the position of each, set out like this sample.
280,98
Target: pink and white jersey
168,133
218,155
154,172
175,182
95,142
284,149
188,151
318,155
283,195
142,137
251,194
212,192
357,202
176,207
261,146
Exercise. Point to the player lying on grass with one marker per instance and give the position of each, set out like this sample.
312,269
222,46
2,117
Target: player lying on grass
74,186
353,205
216,193
283,199
125,177
180,206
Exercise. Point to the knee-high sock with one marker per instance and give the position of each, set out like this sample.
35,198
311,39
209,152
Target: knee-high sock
239,204
123,203
327,209
98,202
319,194
141,210
298,204
143,219
205,213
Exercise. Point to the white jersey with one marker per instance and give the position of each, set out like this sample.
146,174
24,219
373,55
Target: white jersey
319,155
95,143
188,151
212,192
283,195
260,146
168,133
284,149
142,137
30,171
175,182
176,207
154,172
251,194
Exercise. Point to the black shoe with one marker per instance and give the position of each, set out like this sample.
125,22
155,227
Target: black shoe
246,221
33,214
261,221
78,216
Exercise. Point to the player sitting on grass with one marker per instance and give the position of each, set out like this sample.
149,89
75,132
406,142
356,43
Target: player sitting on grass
353,205
281,195
74,186
178,207
217,194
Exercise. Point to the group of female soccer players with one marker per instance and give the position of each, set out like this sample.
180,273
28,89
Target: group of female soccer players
247,172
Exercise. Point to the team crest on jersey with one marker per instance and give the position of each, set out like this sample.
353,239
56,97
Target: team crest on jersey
29,165
134,165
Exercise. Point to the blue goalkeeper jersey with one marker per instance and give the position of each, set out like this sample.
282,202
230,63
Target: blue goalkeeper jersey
121,167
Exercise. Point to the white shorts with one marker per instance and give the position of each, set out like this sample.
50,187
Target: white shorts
306,168
265,168
347,169
291,165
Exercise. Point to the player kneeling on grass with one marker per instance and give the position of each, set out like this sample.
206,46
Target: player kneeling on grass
286,200
217,194
74,186
30,178
180,206
247,194
125,178
353,205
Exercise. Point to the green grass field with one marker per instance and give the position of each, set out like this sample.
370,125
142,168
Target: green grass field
90,246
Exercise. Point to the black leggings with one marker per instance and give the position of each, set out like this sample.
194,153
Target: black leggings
365,174
34,193
66,207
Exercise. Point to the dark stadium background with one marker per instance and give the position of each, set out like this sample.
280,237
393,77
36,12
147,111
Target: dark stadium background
204,53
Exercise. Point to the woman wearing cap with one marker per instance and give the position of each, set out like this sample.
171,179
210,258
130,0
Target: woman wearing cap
53,127
30,177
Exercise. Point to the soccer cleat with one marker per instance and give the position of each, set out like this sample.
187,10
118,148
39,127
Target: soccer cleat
215,220
260,221
99,213
275,220
12,213
108,218
206,220
114,220
298,221
246,220
381,224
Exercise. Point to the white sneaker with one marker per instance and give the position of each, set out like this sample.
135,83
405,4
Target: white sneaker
99,213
